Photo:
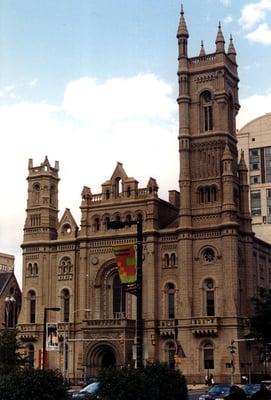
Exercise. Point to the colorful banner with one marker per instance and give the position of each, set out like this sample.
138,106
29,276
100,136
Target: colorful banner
51,336
125,257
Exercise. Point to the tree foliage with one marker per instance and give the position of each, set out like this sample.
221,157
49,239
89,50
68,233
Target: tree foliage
10,358
33,384
261,322
155,382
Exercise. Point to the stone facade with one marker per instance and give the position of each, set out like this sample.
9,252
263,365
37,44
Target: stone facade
201,260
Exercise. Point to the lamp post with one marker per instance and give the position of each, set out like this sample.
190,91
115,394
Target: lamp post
139,279
46,309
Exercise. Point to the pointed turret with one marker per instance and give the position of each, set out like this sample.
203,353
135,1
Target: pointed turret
182,36
231,50
220,41
182,29
202,50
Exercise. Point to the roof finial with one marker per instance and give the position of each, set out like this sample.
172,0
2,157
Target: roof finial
182,13
202,50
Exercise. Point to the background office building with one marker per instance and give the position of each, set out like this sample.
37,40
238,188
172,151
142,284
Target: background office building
255,140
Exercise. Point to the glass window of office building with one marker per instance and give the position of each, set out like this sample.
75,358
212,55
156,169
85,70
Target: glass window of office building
254,159
255,203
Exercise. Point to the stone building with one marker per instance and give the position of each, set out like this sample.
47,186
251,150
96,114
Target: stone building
202,263
254,140
10,293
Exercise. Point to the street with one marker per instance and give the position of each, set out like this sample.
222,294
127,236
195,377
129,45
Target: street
194,394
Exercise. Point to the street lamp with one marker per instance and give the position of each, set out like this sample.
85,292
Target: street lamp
139,279
9,309
46,309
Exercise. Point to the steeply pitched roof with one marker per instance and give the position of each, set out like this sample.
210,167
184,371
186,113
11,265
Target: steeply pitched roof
4,278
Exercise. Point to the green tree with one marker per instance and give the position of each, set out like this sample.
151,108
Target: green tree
10,358
33,384
155,382
261,322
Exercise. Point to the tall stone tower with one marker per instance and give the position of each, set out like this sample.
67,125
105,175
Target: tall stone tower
215,237
42,203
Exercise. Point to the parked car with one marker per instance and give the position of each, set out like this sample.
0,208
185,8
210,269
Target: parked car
257,391
90,392
221,392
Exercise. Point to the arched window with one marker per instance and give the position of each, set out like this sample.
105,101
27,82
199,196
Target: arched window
96,224
209,297
208,356
128,218
32,306
206,112
119,298
213,193
35,269
128,191
36,190
30,269
106,222
65,266
117,186
172,259
170,350
107,194
30,355
166,257
170,293
65,297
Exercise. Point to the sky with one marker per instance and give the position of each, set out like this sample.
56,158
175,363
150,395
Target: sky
93,82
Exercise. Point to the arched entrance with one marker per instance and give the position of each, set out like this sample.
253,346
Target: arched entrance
101,356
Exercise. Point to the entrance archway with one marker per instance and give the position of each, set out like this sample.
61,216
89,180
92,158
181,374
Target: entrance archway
100,357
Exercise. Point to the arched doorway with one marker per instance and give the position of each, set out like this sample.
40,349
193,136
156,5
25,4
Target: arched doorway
102,356
108,359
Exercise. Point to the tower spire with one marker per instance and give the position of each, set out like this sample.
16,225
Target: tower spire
220,41
182,28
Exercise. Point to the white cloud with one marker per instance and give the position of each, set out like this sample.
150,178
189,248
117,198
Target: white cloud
228,19
261,35
253,20
131,120
253,107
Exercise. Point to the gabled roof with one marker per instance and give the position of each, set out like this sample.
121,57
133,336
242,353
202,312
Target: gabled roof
67,225
4,279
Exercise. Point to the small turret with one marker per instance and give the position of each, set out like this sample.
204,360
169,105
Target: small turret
231,50
220,41
202,50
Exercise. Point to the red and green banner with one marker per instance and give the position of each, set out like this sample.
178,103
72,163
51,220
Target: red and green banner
125,257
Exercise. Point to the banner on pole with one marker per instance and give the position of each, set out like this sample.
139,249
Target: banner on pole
51,336
125,257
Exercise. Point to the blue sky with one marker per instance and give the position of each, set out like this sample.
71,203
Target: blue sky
93,82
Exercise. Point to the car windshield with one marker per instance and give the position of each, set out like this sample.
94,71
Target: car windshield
251,388
92,388
220,389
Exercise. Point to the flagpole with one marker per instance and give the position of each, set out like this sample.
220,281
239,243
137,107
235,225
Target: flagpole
139,283
139,275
